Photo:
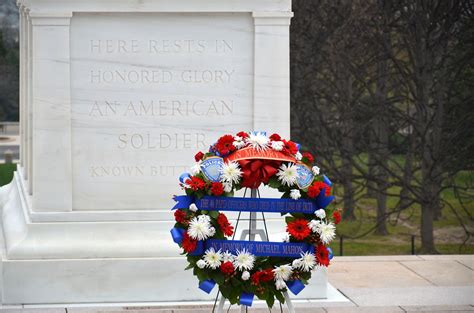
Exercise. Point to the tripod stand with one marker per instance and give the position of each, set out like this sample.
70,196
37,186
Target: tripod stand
252,232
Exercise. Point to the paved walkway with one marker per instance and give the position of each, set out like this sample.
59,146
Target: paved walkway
372,284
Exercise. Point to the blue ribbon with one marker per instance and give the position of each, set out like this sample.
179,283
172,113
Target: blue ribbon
327,181
246,298
258,248
295,286
237,204
331,254
183,177
207,285
177,234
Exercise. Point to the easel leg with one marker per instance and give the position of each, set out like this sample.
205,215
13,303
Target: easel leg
291,309
221,305
243,308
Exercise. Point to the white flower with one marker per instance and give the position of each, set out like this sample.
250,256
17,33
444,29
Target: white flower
231,172
258,140
307,262
296,263
199,228
201,264
239,142
314,224
298,156
320,213
244,260
280,284
326,232
283,272
316,170
193,207
295,194
212,231
227,187
212,258
227,257
196,168
245,275
204,217
287,174
277,145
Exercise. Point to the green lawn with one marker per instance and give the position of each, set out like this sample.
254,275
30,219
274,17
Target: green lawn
6,173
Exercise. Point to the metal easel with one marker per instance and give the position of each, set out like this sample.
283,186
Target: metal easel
252,232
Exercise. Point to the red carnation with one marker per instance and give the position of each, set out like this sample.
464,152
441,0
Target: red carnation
308,156
180,216
275,137
337,217
189,244
322,255
217,189
196,183
224,145
198,156
227,268
316,187
298,229
243,134
224,224
262,276
289,147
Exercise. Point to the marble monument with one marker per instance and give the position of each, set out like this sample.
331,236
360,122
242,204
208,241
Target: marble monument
116,97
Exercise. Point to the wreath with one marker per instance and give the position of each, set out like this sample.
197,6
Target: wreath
243,269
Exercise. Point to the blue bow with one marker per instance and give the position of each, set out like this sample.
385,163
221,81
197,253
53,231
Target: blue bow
295,286
246,298
177,234
207,285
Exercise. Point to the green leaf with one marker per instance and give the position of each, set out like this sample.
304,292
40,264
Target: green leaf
214,214
289,219
279,296
270,300
274,182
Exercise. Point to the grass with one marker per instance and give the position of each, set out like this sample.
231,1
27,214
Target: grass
6,173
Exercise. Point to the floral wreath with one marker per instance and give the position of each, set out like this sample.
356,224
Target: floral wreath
248,160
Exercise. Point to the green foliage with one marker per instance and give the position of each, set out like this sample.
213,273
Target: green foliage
6,173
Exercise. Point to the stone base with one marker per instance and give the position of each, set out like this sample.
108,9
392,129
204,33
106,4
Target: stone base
93,262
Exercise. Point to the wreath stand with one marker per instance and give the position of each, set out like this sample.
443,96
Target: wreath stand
252,232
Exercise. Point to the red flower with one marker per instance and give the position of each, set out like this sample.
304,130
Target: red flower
255,172
298,229
224,224
309,157
262,276
337,217
189,244
224,145
217,189
289,147
322,255
275,137
316,187
196,183
243,134
198,156
180,216
227,268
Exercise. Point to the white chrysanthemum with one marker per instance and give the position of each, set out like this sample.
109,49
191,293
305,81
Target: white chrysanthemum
239,142
231,172
277,145
258,140
212,231
213,258
199,228
227,187
280,284
245,275
296,263
307,262
196,168
204,217
193,207
287,174
326,232
298,156
295,194
227,257
244,260
201,264
320,213
314,224
316,170
282,272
